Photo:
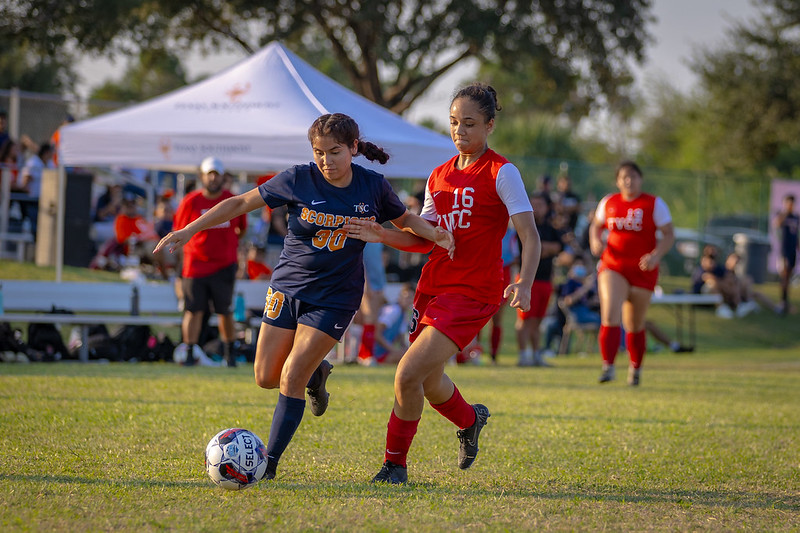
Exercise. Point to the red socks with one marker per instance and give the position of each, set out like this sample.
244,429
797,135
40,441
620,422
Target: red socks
399,435
609,339
367,342
497,334
637,344
457,410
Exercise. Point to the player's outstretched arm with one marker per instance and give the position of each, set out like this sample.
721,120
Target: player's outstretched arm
222,212
519,292
414,234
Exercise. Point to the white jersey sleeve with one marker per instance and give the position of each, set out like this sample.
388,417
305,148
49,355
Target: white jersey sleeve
511,190
661,214
600,211
428,211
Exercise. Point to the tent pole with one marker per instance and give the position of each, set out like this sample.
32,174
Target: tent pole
60,212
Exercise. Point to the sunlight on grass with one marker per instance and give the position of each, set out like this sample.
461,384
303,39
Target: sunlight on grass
708,442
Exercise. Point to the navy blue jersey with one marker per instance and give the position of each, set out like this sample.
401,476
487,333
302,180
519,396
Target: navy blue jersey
319,264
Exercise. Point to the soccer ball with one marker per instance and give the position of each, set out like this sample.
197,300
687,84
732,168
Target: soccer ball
236,459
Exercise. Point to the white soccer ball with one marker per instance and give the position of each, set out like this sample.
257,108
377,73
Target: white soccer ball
236,459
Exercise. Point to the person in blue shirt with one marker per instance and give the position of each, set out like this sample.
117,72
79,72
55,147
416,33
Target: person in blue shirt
318,282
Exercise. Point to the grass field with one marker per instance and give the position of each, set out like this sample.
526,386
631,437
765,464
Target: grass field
709,442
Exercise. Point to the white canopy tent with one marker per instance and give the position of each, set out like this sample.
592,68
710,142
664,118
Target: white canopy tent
254,116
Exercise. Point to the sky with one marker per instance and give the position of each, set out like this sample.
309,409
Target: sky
681,27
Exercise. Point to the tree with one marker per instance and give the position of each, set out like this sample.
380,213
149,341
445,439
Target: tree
390,50
751,90
21,67
156,72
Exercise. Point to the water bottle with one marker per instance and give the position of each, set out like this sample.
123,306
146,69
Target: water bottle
135,301
238,308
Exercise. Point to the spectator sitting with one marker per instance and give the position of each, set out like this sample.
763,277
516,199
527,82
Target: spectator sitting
747,299
579,294
392,321
9,154
738,296
130,229
257,267
709,277
30,177
163,214
584,304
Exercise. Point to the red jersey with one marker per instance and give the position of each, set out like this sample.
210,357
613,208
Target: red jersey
631,227
255,270
209,250
468,203
125,227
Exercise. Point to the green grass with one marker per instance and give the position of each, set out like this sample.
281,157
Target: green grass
16,270
710,442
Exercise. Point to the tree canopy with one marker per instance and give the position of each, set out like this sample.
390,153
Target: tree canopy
391,51
750,88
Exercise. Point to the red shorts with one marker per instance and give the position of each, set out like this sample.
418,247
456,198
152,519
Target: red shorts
458,317
540,298
645,279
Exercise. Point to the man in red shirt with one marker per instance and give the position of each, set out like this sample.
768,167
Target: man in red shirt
209,262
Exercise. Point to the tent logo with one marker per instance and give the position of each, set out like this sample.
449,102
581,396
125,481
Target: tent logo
165,147
237,92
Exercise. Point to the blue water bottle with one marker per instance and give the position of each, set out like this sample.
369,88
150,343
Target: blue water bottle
238,308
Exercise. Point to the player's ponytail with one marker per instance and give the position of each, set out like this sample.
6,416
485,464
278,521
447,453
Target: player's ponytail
345,130
372,152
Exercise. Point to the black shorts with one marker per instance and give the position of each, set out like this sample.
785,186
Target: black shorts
216,289
789,260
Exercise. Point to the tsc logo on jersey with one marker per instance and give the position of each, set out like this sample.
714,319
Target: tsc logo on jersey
632,221
361,208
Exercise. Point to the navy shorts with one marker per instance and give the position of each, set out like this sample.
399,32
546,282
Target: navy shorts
283,311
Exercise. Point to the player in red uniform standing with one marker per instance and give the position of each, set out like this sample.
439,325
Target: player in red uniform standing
209,261
472,195
628,268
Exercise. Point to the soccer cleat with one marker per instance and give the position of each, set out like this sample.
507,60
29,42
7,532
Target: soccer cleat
391,473
683,349
318,395
633,376
608,374
272,470
469,437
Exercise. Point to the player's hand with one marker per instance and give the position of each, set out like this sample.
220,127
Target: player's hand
445,239
173,239
518,296
364,230
648,262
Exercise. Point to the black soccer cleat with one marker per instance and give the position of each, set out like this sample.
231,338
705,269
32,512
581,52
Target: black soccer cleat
272,470
317,394
391,473
469,437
